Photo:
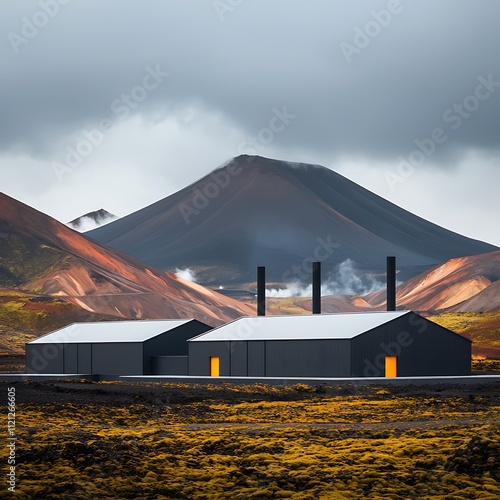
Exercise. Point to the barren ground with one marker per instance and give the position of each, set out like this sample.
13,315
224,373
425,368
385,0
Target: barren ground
179,441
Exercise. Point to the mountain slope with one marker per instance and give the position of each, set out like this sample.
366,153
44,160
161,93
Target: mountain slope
486,300
39,254
256,211
464,284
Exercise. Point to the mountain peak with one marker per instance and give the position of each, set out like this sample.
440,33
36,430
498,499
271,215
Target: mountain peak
92,220
257,160
256,211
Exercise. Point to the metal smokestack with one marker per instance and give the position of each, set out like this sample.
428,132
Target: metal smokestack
261,291
391,283
316,288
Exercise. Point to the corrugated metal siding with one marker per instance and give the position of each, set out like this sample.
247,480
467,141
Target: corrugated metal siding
44,358
422,348
292,358
172,343
85,358
169,365
239,367
117,359
200,353
257,358
308,358
70,358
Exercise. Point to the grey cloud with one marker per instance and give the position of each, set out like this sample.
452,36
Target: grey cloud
264,54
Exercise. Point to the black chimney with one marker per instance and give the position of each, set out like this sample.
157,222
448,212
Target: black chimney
261,291
391,283
316,291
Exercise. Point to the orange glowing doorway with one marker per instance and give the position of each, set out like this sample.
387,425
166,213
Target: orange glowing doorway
214,366
391,366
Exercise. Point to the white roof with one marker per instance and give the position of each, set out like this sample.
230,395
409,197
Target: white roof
110,331
299,327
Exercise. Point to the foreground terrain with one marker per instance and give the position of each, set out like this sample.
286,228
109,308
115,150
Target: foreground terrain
123,440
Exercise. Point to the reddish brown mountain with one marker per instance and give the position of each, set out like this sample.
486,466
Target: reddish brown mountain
485,301
467,284
39,254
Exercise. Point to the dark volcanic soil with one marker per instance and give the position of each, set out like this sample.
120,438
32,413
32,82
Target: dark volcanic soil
123,394
218,441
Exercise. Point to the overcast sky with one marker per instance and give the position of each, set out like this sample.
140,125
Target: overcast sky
115,104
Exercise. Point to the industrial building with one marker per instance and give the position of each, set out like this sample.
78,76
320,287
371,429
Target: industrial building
114,348
373,344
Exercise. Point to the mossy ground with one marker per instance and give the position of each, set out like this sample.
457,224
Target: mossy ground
302,442
481,364
26,316
482,328
24,259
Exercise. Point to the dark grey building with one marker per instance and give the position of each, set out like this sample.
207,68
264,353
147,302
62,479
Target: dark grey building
374,344
115,348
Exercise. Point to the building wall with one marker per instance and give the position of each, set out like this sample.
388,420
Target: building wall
200,353
256,358
106,359
117,358
171,343
70,358
44,358
239,359
169,365
422,348
78,358
290,358
85,358
59,358
307,358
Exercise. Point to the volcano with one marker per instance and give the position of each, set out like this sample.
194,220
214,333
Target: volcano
256,211
42,256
